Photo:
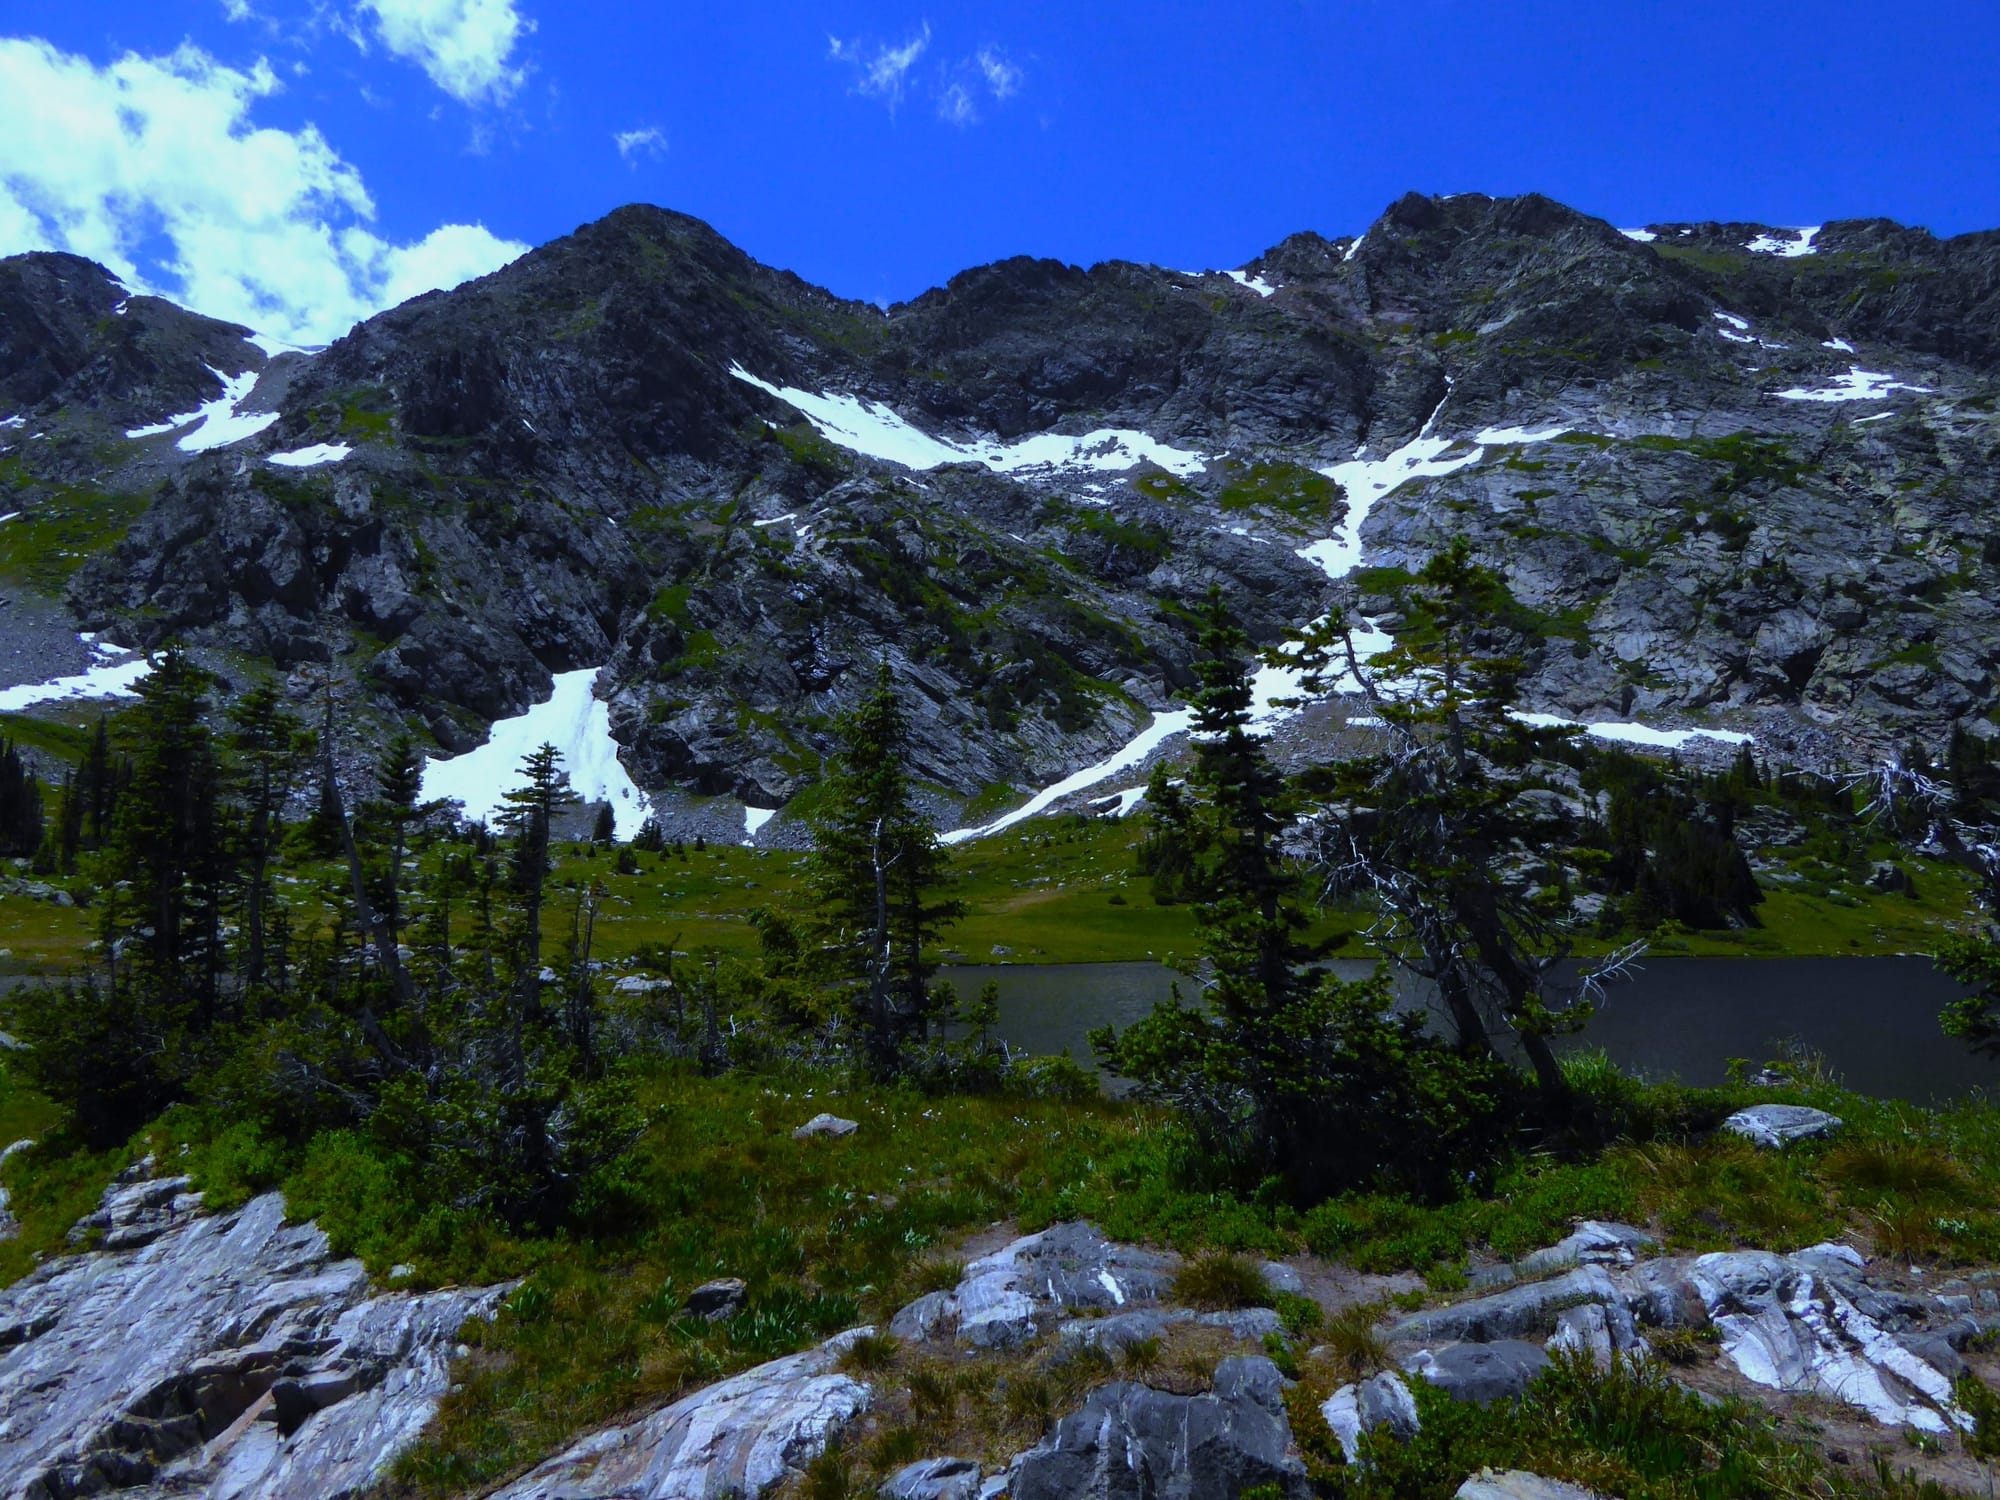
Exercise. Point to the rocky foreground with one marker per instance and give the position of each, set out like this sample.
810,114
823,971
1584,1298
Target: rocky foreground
230,1355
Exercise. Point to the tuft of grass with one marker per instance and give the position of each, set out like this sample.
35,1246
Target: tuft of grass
1220,1281
1351,1341
870,1354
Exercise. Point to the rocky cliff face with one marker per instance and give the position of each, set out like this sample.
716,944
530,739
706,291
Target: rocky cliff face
1742,477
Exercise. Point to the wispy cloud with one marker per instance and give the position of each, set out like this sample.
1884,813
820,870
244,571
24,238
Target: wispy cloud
1002,77
955,106
881,72
649,140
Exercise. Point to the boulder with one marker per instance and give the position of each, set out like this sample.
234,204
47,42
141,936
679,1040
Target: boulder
1381,1401
1518,1484
137,1209
718,1299
921,1319
1777,1125
729,1441
9,1225
933,1479
1601,1331
1515,1313
830,1126
1130,1440
1480,1373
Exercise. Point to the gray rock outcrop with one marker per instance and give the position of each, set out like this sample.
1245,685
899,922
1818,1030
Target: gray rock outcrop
1480,1373
1778,1125
226,1355
728,1441
934,1479
1808,1323
1129,1441
1118,1331
1002,1299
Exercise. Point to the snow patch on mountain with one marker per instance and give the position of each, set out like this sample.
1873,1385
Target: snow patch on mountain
1256,284
754,818
1800,244
306,458
572,719
875,431
1856,385
117,674
1426,456
1132,753
221,423
1627,733
1643,236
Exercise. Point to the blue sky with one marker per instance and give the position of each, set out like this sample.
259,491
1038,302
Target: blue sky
296,163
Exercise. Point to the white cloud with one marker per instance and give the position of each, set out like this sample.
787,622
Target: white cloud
955,106
884,73
1002,77
466,46
649,140
152,166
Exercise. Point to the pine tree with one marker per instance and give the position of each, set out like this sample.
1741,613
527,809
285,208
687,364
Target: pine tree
531,811
875,869
1283,1070
20,803
269,746
1433,833
399,779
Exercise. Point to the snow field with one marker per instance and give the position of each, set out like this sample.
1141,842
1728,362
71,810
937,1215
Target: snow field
220,423
875,431
572,719
116,675
1770,244
306,458
1856,385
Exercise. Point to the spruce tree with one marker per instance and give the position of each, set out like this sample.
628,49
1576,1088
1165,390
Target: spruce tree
876,868
531,810
1434,832
20,803
269,746
1283,1070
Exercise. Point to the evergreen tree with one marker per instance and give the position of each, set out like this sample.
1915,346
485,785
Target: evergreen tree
604,829
20,803
399,779
1435,833
1283,1070
269,747
530,813
875,870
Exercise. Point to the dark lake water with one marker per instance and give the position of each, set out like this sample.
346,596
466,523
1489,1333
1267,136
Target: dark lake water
1873,1019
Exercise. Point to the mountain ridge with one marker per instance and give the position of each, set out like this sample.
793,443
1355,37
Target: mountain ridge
576,420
